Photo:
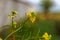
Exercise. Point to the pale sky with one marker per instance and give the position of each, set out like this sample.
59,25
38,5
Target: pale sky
57,2
55,8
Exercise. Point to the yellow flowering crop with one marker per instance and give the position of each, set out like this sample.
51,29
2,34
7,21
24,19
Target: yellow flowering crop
46,36
32,19
31,16
13,14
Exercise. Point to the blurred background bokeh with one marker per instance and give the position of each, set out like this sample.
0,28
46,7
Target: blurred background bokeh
48,10
23,6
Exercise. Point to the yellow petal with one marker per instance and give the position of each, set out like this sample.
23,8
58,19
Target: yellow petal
32,19
29,15
45,35
15,12
12,16
1,39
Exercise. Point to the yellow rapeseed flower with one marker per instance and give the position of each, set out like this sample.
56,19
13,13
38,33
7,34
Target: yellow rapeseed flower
14,12
1,39
12,16
32,19
14,24
46,36
31,16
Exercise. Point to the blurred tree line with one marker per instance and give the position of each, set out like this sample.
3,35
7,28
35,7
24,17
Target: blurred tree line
47,4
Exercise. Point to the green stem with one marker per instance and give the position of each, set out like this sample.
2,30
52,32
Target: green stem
12,21
12,33
15,31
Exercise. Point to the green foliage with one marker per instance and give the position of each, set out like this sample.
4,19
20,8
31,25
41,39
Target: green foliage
34,31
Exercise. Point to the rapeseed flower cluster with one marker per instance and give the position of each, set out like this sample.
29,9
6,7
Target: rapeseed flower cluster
14,13
32,16
46,36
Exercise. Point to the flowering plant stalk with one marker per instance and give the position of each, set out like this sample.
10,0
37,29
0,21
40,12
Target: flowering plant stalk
12,37
32,17
15,30
14,26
